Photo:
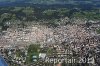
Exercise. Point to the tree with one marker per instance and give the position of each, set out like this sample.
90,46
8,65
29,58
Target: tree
29,13
49,13
33,48
4,18
63,12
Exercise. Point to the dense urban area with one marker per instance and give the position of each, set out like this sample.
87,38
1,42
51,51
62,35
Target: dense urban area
50,35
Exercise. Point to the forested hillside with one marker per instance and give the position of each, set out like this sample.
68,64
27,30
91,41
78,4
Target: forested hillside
52,15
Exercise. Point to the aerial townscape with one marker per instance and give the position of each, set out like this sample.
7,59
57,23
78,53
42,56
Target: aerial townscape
50,33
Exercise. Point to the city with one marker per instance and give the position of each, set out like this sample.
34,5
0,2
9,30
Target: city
50,33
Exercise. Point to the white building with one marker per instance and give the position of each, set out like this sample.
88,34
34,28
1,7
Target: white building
42,55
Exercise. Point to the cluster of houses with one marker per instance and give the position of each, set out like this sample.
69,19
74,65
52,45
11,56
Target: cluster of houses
73,43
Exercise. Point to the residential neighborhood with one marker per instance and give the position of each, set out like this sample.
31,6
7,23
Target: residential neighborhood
49,32
72,44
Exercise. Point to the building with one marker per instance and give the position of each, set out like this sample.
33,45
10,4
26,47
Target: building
42,55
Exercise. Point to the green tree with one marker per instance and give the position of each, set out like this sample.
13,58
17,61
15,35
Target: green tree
50,13
29,13
4,18
63,12
33,49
